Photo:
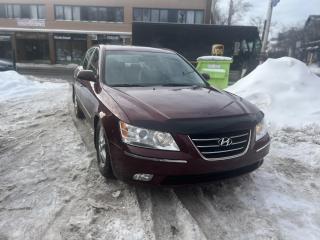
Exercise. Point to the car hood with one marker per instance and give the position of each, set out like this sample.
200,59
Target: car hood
149,106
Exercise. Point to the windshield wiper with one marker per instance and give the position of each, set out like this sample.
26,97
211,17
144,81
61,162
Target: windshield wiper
127,85
177,85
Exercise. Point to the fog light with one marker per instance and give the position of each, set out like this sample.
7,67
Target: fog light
143,177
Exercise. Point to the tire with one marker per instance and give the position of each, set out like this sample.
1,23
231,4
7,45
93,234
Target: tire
77,110
103,152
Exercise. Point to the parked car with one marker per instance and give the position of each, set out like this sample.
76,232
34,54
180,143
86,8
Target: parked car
157,120
6,65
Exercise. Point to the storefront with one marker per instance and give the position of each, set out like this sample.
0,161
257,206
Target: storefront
70,48
111,39
53,47
32,47
6,50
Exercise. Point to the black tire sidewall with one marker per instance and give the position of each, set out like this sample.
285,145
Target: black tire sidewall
105,171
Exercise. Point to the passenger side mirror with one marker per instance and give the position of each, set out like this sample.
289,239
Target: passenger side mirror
206,76
86,75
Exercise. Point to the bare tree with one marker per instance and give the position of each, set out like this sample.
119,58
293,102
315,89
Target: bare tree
259,23
237,8
216,13
288,42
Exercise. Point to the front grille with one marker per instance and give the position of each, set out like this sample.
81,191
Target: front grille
209,145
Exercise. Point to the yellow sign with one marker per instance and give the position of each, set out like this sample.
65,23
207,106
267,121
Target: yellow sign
217,50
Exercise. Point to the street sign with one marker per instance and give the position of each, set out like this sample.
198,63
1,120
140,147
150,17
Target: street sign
275,3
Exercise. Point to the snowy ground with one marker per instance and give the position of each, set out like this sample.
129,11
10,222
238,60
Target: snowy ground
50,187
315,69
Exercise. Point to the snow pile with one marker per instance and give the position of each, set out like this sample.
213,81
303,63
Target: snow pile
285,89
13,85
46,66
315,69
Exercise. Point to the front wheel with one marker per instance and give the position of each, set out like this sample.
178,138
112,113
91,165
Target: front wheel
103,152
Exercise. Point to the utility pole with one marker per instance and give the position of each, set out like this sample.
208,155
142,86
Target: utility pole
272,4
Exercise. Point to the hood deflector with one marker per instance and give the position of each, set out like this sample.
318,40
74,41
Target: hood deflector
204,125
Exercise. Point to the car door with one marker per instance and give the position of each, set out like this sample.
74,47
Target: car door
91,89
80,85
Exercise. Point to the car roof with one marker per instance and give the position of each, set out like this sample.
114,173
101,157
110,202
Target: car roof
134,48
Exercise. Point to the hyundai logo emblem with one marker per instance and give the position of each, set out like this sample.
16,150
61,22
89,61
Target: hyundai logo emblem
225,142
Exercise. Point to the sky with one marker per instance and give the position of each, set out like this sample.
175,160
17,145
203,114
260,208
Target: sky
287,13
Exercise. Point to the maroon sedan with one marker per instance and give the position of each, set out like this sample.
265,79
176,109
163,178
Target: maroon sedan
157,120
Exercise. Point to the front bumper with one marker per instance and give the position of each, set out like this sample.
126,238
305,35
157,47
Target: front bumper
186,166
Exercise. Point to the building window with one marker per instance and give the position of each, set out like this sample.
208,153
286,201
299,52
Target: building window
2,11
102,14
163,15
155,15
25,11
89,13
76,13
84,15
22,11
41,12
93,14
59,13
70,48
168,15
16,11
198,17
146,15
137,14
115,14
10,11
68,13
172,16
182,16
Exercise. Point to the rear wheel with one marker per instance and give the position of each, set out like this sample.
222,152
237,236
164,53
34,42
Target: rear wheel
103,152
78,112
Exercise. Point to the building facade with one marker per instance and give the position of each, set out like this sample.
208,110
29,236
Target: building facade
312,40
60,31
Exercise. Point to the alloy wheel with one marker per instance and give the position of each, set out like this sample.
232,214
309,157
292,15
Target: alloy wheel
102,148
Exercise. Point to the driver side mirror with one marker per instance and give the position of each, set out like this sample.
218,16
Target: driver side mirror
206,76
87,75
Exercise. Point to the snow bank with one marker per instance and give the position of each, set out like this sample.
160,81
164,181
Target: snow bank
315,69
13,85
46,66
285,89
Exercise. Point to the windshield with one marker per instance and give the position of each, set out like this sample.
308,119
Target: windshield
133,68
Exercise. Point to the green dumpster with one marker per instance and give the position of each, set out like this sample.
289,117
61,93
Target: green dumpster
217,67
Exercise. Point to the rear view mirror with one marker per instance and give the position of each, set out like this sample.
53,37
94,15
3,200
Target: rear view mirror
86,75
206,76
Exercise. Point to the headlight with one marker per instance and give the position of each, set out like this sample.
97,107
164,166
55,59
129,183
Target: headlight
142,137
261,130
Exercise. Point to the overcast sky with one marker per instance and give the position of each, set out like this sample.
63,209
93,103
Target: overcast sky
286,13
